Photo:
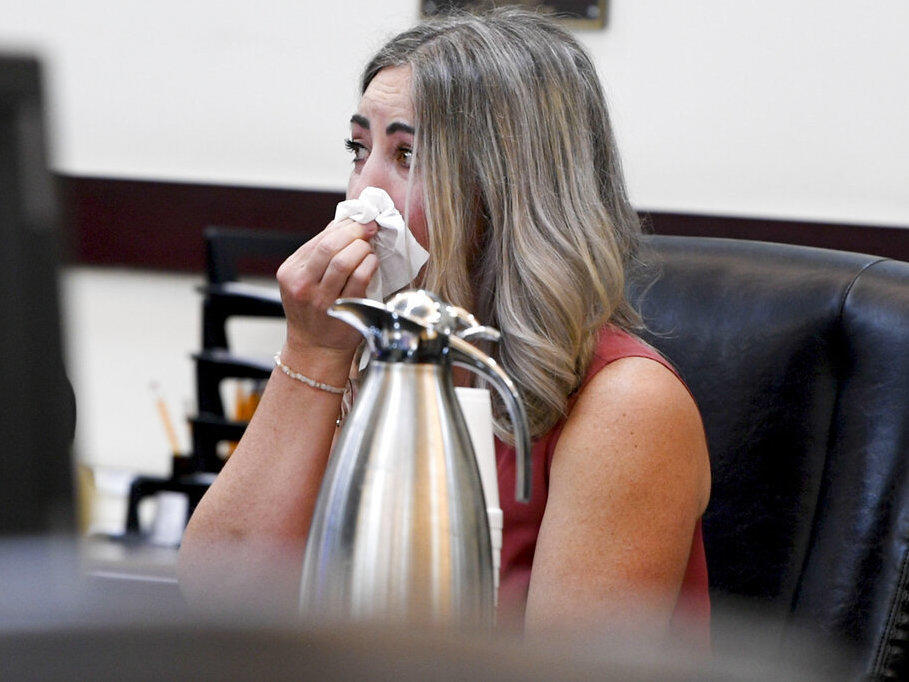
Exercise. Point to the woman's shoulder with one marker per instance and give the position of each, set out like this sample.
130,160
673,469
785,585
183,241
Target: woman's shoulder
614,343
634,400
624,358
625,365
627,371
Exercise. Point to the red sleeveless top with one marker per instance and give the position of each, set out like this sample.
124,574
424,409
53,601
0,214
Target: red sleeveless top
691,618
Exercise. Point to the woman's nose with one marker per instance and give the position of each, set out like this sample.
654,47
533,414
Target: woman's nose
372,174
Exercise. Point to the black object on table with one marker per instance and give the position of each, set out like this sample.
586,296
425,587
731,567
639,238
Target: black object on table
223,298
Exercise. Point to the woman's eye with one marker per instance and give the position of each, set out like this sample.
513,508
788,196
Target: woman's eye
404,156
358,150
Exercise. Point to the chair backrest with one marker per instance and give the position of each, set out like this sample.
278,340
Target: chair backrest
799,361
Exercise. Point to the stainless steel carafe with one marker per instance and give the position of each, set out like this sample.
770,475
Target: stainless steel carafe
400,528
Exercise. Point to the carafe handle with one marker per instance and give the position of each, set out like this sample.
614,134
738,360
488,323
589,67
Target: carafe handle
465,355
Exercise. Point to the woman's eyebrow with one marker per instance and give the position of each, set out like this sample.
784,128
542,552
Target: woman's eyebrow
396,126
361,121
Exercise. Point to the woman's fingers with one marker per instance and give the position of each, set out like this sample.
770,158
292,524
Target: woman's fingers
298,259
317,273
361,277
343,266
335,240
299,256
337,262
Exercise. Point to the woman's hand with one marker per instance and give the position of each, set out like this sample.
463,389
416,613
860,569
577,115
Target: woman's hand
337,263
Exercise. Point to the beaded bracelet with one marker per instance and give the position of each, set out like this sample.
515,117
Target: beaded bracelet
305,379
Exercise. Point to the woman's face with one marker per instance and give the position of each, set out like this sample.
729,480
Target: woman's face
381,140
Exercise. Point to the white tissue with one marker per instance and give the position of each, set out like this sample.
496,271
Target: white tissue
400,254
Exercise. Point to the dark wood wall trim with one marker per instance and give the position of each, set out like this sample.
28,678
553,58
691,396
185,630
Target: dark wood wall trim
891,242
159,224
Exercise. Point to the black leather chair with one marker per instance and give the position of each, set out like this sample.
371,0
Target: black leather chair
799,361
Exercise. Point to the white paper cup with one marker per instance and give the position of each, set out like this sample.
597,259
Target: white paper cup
477,409
170,518
495,536
495,527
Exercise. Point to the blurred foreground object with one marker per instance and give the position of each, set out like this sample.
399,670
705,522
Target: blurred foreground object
37,407
55,625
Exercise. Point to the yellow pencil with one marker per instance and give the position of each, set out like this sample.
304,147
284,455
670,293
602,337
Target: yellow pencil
165,419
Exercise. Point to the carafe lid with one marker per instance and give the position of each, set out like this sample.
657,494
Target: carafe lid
413,326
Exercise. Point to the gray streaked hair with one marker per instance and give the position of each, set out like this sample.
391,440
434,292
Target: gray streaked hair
529,223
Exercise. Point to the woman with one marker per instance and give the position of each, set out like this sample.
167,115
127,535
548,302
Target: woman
490,134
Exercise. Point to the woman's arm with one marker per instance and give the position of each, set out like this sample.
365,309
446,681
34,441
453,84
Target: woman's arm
630,477
244,543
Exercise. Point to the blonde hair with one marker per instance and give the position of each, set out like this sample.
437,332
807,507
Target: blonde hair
529,224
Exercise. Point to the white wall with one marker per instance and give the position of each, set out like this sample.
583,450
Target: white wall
756,107
126,330
763,108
